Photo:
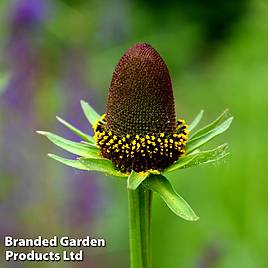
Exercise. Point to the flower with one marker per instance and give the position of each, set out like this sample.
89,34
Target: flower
139,131
138,138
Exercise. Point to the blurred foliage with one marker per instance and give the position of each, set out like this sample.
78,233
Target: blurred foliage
217,18
217,52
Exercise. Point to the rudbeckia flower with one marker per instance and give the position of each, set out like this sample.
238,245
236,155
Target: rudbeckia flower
139,131
140,140
139,136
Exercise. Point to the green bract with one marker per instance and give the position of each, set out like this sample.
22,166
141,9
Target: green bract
89,158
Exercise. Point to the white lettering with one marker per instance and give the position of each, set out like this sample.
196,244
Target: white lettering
64,241
72,256
8,241
101,242
9,254
93,242
54,242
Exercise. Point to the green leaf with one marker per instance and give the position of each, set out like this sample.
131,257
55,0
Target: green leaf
102,165
135,179
195,143
196,121
181,163
174,201
208,157
68,162
200,158
211,126
91,115
76,131
80,149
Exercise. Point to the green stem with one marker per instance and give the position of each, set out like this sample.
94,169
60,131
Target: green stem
140,201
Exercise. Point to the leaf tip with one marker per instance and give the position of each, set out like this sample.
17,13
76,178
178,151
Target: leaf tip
229,121
82,102
41,132
61,120
194,218
51,155
130,186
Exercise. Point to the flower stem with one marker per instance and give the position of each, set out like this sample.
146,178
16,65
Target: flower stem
140,201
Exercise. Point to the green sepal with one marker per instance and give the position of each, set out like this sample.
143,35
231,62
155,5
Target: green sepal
91,115
181,163
209,157
174,201
101,165
76,131
211,126
196,121
135,179
195,143
68,162
154,171
85,150
199,158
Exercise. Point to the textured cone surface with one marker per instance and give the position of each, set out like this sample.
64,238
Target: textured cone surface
139,130
140,97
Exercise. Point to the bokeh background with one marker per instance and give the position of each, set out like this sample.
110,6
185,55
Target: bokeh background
54,53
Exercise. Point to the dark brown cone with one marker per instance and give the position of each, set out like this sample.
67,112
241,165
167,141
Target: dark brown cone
140,98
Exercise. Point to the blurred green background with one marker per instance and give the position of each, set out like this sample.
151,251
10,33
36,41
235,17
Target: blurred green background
54,53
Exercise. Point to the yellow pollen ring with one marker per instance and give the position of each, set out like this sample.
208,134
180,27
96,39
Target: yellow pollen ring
141,152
